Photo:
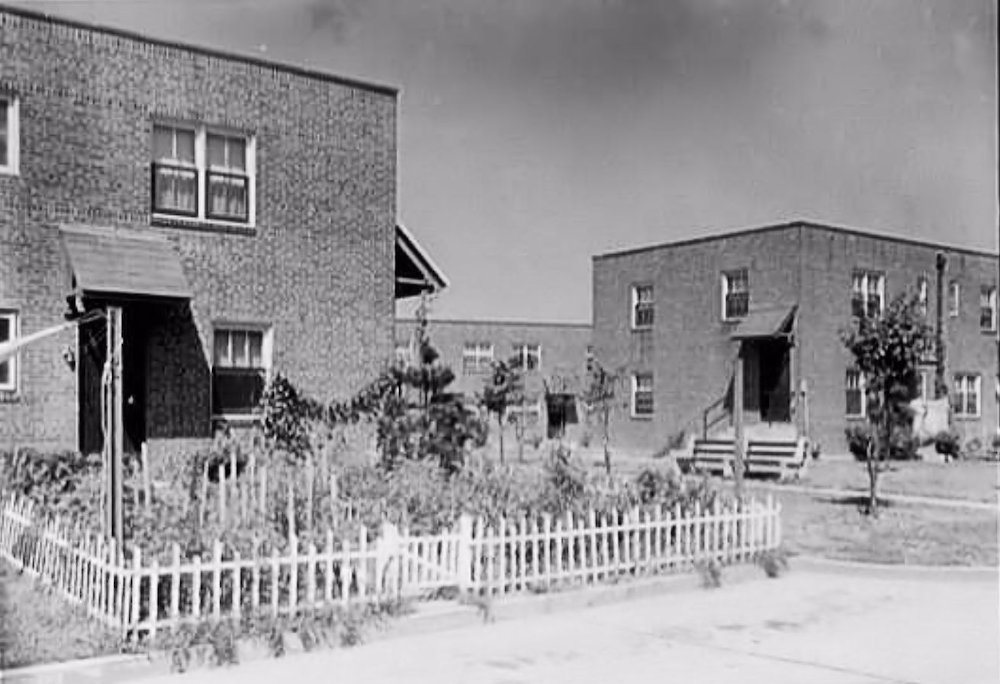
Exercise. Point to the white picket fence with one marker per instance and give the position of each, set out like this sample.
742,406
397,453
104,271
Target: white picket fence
146,596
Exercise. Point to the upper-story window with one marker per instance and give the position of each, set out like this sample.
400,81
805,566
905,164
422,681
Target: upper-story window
854,389
988,308
735,294
922,295
241,360
954,298
867,293
477,357
8,369
966,394
642,307
203,173
528,357
9,135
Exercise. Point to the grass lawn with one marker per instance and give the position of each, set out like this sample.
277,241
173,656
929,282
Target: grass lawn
973,480
904,533
36,627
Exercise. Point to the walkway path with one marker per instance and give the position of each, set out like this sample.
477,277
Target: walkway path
807,627
897,498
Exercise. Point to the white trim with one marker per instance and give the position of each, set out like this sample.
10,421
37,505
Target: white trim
725,287
12,316
862,388
634,302
475,354
954,299
962,387
13,163
201,168
418,253
991,302
866,276
634,393
521,351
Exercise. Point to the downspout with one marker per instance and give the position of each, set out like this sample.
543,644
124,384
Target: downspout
940,387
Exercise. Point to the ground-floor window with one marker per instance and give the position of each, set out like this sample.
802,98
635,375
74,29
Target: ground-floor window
642,395
855,393
528,414
8,369
965,395
241,360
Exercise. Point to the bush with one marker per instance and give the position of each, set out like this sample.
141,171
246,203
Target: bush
903,447
948,443
859,441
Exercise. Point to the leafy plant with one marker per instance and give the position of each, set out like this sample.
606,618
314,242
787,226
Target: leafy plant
503,388
603,387
887,349
774,562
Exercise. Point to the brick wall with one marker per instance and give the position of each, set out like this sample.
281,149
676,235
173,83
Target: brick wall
318,266
689,349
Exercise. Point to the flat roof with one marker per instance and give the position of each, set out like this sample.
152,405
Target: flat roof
208,52
497,322
804,223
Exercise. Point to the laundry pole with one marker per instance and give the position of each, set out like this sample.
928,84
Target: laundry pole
114,436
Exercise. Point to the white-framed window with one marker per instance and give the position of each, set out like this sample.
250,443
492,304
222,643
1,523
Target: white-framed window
477,357
642,395
988,308
241,364
966,395
954,298
925,391
8,369
867,293
642,307
528,357
735,294
922,284
854,390
10,143
203,173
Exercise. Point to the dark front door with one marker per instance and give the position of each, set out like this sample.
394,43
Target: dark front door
774,378
134,337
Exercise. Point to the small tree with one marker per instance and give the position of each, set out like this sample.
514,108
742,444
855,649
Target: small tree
887,349
600,394
502,389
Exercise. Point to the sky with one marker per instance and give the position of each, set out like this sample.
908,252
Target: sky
537,133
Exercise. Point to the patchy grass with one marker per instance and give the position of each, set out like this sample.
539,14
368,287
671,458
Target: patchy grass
972,480
902,534
38,627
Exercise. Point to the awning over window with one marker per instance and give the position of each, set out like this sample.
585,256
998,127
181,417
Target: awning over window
108,261
765,322
415,272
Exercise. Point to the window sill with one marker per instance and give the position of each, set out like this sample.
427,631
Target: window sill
8,171
643,328
8,396
642,417
856,417
203,225
966,417
238,418
988,331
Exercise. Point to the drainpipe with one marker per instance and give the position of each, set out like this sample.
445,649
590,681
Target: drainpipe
939,382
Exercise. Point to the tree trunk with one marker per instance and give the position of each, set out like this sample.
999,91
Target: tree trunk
606,440
500,433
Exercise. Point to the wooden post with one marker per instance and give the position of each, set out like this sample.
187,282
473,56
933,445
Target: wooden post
738,442
116,435
147,488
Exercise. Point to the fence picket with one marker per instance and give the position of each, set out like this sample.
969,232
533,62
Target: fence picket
136,580
217,580
154,576
175,585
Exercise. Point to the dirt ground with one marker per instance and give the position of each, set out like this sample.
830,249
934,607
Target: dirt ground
804,627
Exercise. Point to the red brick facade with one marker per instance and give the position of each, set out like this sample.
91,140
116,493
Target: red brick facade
317,266
689,349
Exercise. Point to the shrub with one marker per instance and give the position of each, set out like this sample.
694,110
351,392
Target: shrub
948,443
859,441
902,448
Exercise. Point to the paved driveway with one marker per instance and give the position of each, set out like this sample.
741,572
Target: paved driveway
807,627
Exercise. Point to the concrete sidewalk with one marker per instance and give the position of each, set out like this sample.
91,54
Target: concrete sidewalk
806,627
894,498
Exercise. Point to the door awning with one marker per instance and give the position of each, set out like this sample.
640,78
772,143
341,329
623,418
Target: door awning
415,271
773,321
123,262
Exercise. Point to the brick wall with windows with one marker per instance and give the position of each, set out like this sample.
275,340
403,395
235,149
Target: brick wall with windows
289,221
547,348
689,347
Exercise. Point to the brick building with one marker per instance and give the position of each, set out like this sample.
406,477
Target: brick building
242,213
681,317
552,353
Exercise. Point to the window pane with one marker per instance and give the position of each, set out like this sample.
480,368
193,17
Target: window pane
5,329
236,391
220,356
176,189
4,104
241,357
5,373
227,196
216,150
256,342
185,145
237,154
163,142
